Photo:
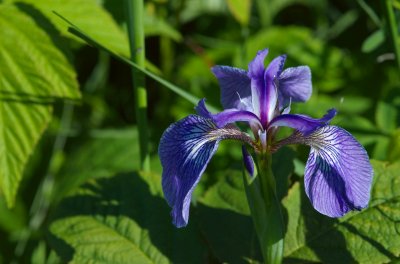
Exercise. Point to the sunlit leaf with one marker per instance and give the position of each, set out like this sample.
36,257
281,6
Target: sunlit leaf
34,71
32,61
88,15
21,126
369,236
240,9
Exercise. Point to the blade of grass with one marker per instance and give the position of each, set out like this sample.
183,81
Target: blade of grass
393,30
179,91
134,14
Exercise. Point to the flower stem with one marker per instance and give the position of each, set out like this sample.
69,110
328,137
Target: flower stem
266,210
135,9
393,30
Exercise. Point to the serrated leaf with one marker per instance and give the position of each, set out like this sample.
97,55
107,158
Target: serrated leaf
88,15
369,236
122,219
21,125
34,71
32,60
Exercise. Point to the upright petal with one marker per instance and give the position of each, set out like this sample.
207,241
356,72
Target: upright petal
275,67
338,173
235,87
295,83
302,123
258,92
185,149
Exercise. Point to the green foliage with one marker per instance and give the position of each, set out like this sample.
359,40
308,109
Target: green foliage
35,70
369,236
70,189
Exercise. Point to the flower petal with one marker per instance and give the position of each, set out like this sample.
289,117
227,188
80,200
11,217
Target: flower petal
248,161
338,173
235,87
275,67
185,149
295,83
302,123
227,116
258,89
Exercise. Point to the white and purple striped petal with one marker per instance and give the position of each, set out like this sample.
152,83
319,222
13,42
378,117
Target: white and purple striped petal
338,173
185,149
235,87
294,83
258,88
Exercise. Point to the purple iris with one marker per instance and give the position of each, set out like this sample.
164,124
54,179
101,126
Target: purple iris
338,173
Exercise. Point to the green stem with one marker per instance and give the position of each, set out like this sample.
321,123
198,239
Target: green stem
266,210
391,21
135,11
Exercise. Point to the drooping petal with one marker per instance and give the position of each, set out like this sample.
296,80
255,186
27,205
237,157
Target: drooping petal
235,87
302,123
248,161
227,116
185,149
295,83
338,173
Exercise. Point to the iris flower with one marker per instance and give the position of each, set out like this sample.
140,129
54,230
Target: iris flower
338,173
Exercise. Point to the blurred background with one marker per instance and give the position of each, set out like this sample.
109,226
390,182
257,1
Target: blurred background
348,45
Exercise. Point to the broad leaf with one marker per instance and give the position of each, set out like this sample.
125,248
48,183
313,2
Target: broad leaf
34,71
122,219
104,153
369,236
88,15
225,220
21,125
32,60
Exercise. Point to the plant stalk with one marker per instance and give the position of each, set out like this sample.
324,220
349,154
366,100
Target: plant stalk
134,11
266,210
393,30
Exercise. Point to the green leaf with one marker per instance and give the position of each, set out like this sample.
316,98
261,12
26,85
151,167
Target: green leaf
34,71
240,10
386,117
122,219
104,153
155,26
394,150
373,41
21,125
32,58
189,97
369,236
88,15
225,220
